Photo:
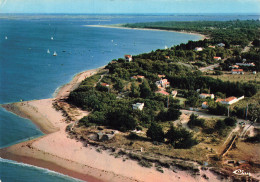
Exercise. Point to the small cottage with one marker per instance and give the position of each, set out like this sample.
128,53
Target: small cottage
138,106
237,71
128,58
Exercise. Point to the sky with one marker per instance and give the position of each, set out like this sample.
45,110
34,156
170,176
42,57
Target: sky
130,6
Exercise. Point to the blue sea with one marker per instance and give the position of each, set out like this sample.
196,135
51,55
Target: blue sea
28,72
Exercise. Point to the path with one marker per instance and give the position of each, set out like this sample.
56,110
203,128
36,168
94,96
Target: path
211,67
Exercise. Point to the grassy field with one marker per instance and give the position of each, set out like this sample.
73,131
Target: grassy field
227,76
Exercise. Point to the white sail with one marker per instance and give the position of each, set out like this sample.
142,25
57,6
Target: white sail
55,53
6,37
51,38
48,51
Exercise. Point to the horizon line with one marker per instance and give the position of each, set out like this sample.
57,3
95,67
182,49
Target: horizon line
234,13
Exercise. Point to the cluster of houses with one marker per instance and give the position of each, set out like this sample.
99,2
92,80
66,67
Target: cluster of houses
236,67
201,48
226,101
162,84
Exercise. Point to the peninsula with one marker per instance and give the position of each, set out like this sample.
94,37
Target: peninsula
174,114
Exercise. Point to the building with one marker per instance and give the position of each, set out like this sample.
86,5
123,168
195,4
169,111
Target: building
104,84
174,93
128,58
212,47
230,100
163,83
162,92
245,64
234,66
161,76
137,76
237,71
204,105
217,58
198,49
138,106
221,45
204,96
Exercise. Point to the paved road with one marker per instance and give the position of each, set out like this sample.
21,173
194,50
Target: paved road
209,67
206,115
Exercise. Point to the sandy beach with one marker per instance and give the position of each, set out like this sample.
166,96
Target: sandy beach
148,29
57,151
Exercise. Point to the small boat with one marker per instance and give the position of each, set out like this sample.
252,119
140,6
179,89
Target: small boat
112,40
51,38
48,51
165,47
6,37
55,53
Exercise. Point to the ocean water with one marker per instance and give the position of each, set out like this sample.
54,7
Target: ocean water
10,168
28,72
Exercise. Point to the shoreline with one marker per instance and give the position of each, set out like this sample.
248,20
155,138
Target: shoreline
148,29
58,152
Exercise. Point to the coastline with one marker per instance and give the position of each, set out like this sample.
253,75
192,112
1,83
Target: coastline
148,29
57,152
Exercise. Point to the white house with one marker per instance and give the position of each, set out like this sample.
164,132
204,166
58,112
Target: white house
138,106
245,64
221,45
204,96
230,100
128,58
237,71
198,49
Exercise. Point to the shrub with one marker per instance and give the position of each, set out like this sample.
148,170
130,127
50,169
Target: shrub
230,121
144,163
195,121
155,132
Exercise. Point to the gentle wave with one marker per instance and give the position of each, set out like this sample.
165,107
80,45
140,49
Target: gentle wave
46,171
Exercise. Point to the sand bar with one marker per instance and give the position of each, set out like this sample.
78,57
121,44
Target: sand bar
149,29
56,151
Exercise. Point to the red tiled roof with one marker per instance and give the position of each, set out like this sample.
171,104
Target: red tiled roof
205,103
230,99
162,92
128,56
237,70
161,76
104,84
219,100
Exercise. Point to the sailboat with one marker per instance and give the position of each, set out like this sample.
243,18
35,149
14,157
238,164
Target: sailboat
51,38
6,37
48,51
55,53
165,47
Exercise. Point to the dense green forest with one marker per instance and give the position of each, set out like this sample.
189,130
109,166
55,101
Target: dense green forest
236,32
